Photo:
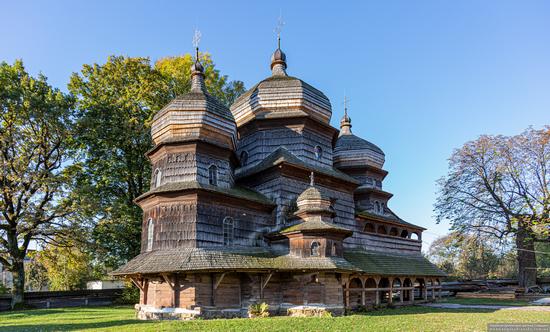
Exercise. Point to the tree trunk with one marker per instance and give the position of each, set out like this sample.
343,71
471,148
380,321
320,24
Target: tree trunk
18,290
527,263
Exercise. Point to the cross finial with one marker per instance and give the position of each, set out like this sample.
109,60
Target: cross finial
196,41
312,179
346,103
279,28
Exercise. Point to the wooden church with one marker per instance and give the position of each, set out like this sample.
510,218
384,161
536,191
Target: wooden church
267,202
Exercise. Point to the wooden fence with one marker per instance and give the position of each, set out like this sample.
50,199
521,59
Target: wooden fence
63,299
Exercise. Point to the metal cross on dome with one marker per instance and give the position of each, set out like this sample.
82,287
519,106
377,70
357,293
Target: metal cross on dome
346,104
279,28
197,38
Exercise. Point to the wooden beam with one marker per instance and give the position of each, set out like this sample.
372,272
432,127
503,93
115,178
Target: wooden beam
139,284
218,281
264,282
170,283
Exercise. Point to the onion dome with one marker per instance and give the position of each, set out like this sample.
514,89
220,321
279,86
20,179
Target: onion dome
353,151
313,200
278,61
281,96
195,116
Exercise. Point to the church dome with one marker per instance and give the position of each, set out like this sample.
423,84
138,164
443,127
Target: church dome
281,96
311,193
350,150
278,55
195,116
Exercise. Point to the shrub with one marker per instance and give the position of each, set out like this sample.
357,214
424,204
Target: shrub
258,310
130,295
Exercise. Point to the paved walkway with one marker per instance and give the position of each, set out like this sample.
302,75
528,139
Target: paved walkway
479,306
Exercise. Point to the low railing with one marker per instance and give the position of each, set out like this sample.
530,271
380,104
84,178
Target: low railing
61,299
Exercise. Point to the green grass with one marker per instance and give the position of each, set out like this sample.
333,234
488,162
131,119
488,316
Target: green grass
486,302
404,319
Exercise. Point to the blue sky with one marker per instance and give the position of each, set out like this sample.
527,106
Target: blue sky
423,77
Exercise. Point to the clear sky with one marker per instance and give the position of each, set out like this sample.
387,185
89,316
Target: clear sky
423,77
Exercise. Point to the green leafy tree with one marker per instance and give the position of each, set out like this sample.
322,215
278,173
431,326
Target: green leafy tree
498,187
36,275
467,256
34,138
116,103
176,71
68,267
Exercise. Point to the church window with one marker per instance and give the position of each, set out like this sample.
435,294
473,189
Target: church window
377,207
369,228
228,230
213,175
318,152
244,158
158,177
150,234
315,248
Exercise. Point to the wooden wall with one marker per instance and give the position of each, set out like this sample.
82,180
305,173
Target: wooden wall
239,290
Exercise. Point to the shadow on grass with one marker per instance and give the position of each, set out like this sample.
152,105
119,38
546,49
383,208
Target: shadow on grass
73,326
31,312
416,310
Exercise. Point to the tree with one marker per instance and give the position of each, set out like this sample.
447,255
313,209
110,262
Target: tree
34,138
67,267
116,103
466,256
36,275
498,187
177,73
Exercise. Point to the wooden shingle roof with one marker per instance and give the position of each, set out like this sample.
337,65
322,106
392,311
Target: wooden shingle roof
282,155
381,263
261,259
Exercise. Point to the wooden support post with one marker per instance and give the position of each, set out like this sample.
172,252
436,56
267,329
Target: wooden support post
143,286
363,295
263,283
390,295
172,284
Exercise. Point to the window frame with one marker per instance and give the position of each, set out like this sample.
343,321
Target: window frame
150,234
213,175
228,230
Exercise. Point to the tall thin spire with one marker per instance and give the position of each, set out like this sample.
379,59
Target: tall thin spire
312,179
345,123
197,70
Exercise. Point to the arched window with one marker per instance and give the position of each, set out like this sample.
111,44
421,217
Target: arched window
213,175
369,228
315,248
228,230
333,251
404,234
158,177
244,158
415,236
394,231
318,152
377,207
150,234
382,230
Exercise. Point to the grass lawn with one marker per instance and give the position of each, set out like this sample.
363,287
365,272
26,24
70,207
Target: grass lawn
486,302
404,319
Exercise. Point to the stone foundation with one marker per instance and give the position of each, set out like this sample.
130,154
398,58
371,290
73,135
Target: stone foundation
147,312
